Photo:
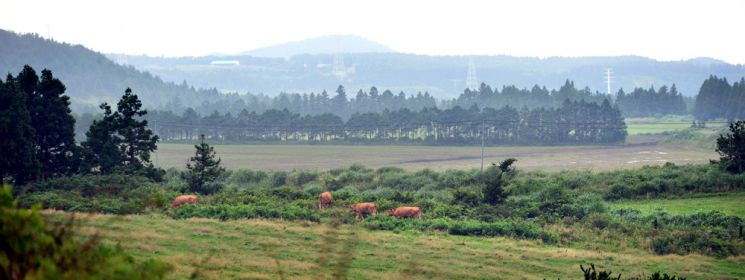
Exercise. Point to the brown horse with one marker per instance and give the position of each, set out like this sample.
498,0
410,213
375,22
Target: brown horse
364,208
324,200
184,199
406,212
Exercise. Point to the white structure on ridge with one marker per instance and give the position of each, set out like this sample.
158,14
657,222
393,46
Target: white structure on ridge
472,82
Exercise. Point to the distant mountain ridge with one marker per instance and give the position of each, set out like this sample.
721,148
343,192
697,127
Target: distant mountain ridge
321,45
441,76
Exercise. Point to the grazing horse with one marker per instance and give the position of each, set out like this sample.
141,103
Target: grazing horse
364,208
324,200
184,199
406,212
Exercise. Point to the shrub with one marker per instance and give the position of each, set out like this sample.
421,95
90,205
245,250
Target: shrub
35,249
279,178
465,197
300,178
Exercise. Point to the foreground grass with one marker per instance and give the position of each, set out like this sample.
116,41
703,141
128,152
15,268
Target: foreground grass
727,203
264,249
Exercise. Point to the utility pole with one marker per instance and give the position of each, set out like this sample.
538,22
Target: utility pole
482,146
155,129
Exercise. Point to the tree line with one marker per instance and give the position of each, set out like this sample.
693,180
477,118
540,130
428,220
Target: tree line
718,99
574,122
649,102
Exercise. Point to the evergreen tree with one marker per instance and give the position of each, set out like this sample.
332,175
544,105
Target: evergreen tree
17,161
138,141
494,179
204,168
732,148
53,123
101,148
121,140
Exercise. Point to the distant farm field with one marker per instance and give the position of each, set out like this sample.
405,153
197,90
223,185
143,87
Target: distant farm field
273,249
727,203
641,126
288,157
654,128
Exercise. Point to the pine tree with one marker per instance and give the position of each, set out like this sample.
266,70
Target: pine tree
100,149
204,168
17,161
53,124
121,141
138,141
732,148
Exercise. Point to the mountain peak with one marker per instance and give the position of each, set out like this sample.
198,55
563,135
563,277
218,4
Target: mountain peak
321,45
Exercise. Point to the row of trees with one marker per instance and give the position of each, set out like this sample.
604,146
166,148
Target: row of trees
572,122
38,139
638,103
648,102
718,99
536,97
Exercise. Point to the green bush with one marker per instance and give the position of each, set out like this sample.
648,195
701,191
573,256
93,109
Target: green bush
36,249
279,178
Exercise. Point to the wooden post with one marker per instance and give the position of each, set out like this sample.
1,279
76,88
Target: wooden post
482,146
740,231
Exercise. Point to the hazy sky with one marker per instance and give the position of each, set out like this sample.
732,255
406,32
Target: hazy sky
666,30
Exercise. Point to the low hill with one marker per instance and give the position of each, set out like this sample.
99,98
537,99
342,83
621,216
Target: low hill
90,76
321,45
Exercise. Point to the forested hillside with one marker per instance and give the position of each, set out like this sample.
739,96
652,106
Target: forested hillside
89,76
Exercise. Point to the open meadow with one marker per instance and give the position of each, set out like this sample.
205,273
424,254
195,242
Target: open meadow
275,249
642,150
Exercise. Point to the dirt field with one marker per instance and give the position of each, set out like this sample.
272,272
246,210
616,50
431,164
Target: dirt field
641,150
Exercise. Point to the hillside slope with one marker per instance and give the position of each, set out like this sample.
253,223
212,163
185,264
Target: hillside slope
90,77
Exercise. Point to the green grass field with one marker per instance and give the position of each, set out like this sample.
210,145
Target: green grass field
646,151
634,128
651,125
728,203
264,249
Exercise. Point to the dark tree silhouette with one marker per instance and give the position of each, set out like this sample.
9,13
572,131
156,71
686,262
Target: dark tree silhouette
732,148
17,161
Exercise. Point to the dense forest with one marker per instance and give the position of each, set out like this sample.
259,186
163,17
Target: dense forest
649,102
718,99
571,123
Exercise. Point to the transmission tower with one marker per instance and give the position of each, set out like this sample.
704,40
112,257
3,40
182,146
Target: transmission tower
608,78
472,82
339,70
